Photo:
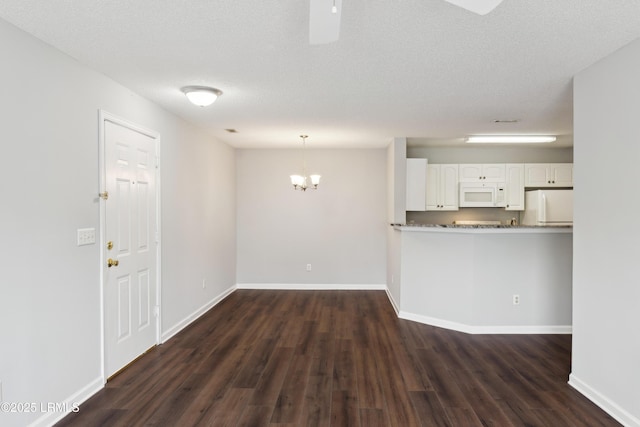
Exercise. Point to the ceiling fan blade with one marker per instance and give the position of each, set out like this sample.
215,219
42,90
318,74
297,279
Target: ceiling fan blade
481,7
324,25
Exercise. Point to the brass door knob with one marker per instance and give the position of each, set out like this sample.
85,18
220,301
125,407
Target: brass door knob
112,263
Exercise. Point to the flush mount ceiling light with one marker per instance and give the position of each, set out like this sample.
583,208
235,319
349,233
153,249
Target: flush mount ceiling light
300,181
510,139
481,7
201,96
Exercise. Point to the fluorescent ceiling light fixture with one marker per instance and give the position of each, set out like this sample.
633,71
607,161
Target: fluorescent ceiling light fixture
510,139
201,96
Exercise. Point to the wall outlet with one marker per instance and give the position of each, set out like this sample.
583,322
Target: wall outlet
86,236
516,299
308,267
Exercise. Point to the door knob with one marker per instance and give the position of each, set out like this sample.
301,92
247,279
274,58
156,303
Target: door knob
112,263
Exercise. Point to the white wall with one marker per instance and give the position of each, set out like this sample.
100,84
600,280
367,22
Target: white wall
465,279
492,154
199,225
396,214
606,294
49,181
339,229
397,181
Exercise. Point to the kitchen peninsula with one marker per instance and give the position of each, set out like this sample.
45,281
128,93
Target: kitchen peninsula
478,278
483,279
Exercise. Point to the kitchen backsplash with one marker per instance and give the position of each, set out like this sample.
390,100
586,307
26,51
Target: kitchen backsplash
467,214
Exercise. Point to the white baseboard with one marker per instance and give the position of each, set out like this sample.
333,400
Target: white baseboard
395,306
472,329
440,323
50,418
313,286
166,335
607,405
524,329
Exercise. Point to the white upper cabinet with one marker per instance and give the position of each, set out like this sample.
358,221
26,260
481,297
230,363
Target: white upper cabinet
442,187
435,187
514,199
561,174
416,184
494,172
548,175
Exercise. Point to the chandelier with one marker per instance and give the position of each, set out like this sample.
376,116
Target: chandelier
300,181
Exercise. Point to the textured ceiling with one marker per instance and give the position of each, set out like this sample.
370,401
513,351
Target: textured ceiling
424,69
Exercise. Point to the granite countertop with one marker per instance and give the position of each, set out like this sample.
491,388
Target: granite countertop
482,226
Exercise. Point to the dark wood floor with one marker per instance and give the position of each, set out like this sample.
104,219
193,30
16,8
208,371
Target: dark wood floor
340,358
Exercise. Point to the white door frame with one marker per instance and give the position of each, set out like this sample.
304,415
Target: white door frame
103,117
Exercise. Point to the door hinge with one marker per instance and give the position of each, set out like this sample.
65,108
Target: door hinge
156,311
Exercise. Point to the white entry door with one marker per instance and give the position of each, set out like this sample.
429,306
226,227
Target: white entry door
130,234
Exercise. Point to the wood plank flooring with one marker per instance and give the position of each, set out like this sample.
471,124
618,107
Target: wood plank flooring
339,358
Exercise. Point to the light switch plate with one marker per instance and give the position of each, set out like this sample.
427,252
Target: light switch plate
86,236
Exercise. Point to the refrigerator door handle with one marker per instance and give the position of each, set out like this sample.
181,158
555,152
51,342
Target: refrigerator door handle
543,207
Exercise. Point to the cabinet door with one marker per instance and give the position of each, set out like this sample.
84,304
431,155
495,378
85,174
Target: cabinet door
493,172
433,186
561,174
416,184
449,187
535,175
515,187
470,173
548,175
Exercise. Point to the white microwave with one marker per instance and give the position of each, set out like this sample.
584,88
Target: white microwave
482,195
